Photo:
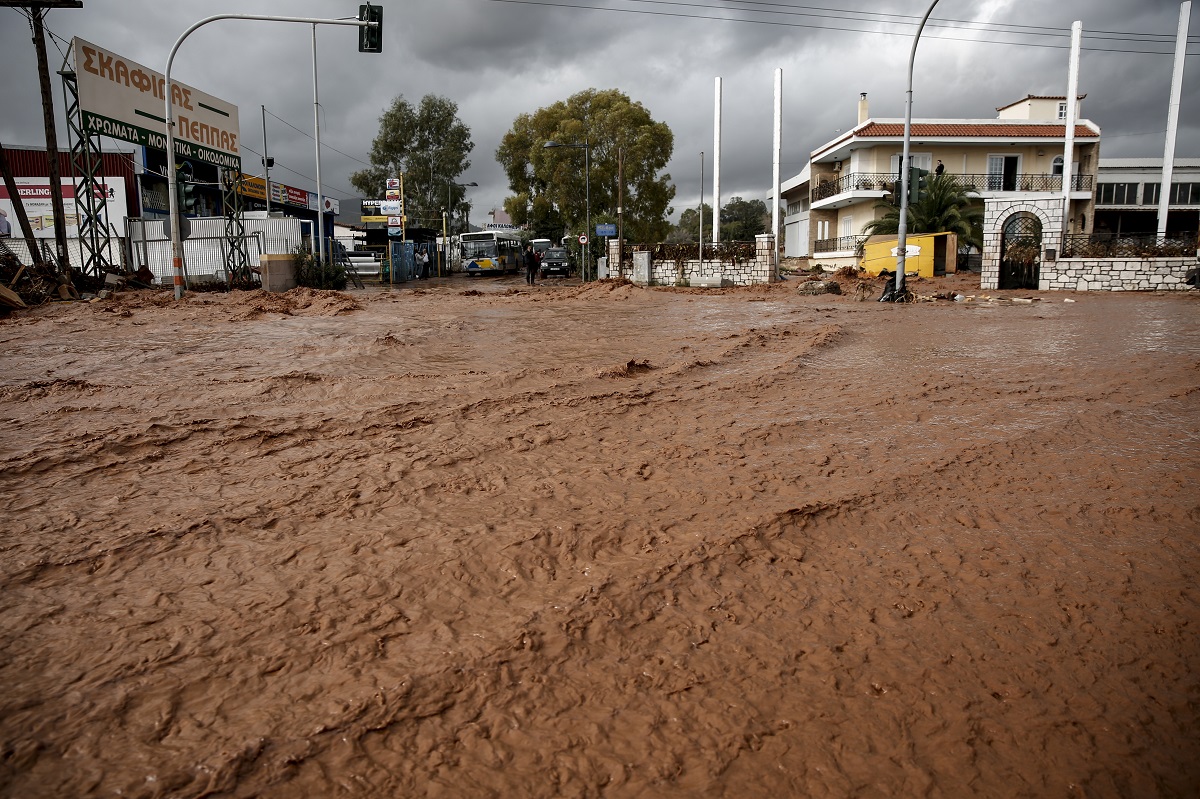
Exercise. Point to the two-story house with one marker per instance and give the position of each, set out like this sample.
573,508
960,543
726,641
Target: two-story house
1013,164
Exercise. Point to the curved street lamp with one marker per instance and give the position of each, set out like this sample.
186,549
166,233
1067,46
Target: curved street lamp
587,181
902,226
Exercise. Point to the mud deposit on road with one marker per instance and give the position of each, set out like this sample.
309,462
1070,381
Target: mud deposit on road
477,541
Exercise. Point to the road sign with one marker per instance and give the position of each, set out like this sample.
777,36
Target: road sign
583,238
606,230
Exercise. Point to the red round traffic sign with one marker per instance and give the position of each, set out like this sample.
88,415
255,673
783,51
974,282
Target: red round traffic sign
583,238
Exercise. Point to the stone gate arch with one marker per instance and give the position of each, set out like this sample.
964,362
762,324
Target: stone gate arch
998,216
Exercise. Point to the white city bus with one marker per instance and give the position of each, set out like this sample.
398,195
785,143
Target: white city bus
490,252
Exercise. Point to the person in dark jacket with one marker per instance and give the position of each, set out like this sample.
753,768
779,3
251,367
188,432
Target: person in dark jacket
531,263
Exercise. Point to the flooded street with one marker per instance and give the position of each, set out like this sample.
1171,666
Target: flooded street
465,538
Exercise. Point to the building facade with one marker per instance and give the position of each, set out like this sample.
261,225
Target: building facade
1128,192
1014,160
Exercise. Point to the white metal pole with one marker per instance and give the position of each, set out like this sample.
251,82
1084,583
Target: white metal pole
172,183
266,169
1069,137
701,212
775,170
317,131
717,164
1164,193
902,227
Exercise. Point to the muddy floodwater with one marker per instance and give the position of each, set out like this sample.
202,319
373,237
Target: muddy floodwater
474,540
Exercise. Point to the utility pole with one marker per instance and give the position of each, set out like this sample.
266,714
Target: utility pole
37,10
620,209
10,183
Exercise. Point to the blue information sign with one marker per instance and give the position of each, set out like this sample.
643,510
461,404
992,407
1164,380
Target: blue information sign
606,230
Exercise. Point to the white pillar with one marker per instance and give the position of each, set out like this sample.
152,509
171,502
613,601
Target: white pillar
1069,139
716,163
1164,195
775,163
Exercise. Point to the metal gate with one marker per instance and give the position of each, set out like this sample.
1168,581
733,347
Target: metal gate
1020,252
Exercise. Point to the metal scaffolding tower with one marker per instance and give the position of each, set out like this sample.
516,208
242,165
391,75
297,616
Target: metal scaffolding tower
237,259
91,199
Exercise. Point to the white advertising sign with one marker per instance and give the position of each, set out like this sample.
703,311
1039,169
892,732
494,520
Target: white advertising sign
35,196
332,204
391,208
124,100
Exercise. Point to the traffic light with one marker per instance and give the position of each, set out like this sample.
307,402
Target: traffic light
370,37
189,201
917,183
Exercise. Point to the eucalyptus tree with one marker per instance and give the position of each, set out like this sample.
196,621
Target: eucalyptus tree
429,145
625,148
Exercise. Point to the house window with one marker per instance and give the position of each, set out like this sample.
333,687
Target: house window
1185,194
1062,113
1056,166
1116,194
1151,193
847,226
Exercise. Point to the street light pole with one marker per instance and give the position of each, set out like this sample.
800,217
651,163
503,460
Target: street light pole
902,226
172,180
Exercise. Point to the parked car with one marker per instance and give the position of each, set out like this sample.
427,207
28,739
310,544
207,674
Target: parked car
556,261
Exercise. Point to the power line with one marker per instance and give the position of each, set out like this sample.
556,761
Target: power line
323,145
279,165
943,22
678,15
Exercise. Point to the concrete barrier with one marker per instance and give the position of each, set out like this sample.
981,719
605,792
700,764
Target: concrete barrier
278,272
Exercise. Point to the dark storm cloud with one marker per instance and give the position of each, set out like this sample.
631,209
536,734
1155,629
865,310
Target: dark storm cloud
497,60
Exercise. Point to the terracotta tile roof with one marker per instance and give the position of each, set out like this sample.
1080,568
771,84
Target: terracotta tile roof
1006,130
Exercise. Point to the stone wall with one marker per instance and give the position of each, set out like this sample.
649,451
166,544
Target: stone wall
761,269
1114,274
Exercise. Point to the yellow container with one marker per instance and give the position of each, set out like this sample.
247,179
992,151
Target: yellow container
929,254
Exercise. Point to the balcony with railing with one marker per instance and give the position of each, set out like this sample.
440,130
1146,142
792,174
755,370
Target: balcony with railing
853,182
840,244
872,184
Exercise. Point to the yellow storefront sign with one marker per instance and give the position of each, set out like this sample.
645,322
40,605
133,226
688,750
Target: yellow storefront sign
255,188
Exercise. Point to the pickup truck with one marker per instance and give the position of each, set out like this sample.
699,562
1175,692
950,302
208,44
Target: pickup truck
556,261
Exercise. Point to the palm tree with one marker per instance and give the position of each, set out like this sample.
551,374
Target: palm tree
944,207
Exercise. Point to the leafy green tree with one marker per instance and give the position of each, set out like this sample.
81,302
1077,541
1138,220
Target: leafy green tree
611,124
945,207
688,228
742,220
429,145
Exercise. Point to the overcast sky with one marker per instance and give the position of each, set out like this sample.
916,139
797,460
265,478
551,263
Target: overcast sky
499,58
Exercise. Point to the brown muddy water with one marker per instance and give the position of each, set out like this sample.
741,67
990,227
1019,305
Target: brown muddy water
479,541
